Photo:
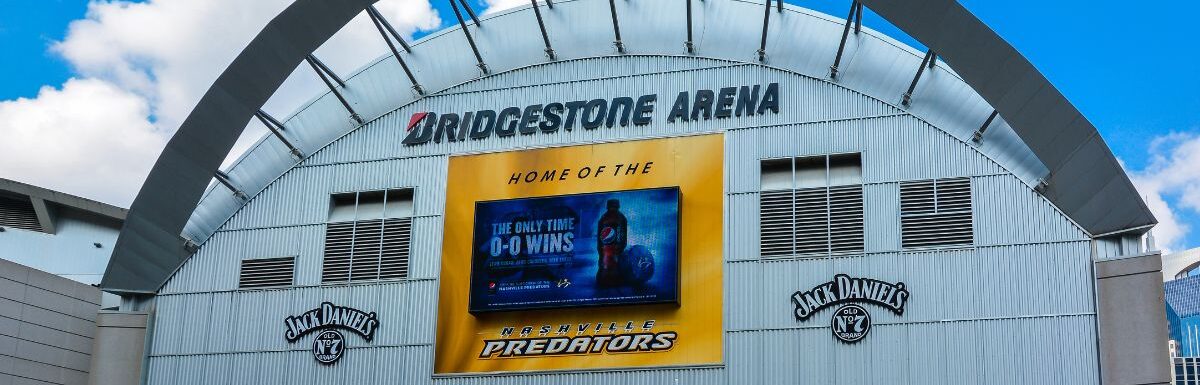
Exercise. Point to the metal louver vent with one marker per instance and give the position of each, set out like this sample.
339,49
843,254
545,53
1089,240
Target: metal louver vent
813,221
366,250
936,213
776,236
846,219
18,213
267,272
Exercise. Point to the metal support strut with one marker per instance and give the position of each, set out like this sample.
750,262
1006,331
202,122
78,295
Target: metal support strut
927,61
377,19
542,25
833,69
325,74
470,12
374,13
691,48
858,18
978,136
224,180
612,8
470,40
277,129
762,46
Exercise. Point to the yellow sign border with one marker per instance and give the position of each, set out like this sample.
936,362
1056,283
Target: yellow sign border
695,164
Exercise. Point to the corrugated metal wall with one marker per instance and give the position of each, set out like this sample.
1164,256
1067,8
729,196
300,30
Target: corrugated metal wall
1015,308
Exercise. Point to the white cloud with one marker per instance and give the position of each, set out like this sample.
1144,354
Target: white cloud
1171,182
494,6
170,51
88,136
142,67
167,51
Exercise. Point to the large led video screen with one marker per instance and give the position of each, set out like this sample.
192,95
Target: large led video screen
596,249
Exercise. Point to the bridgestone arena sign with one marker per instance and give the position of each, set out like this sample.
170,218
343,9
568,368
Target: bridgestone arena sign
590,114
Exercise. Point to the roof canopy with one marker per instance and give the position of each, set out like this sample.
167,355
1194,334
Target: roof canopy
1068,161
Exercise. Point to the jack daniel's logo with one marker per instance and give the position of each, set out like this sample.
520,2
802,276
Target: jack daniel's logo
329,344
850,322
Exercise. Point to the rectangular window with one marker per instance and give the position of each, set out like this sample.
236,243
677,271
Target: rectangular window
811,206
368,236
935,213
267,272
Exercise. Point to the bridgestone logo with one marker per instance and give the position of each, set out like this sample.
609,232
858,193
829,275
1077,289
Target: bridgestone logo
553,117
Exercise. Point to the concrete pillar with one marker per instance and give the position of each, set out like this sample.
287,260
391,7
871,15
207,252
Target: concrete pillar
1132,320
119,348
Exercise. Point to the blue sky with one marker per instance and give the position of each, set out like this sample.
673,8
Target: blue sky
1129,66
27,29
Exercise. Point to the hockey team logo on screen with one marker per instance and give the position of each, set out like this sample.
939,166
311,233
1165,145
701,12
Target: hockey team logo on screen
850,322
325,321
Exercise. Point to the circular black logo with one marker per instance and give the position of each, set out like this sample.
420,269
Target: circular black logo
851,323
328,346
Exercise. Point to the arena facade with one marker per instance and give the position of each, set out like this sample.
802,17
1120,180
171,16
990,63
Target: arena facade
630,191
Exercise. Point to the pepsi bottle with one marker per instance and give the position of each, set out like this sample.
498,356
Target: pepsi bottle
610,243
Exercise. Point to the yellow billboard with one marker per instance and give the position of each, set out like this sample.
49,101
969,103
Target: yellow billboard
584,257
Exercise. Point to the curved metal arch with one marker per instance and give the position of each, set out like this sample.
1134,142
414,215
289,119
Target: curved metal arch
1057,133
150,248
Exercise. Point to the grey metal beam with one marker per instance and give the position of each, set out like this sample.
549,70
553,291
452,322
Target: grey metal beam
320,67
277,129
978,135
470,12
44,216
906,99
326,74
374,13
224,180
470,40
691,47
858,18
1057,133
63,199
612,9
379,23
542,26
837,60
762,45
